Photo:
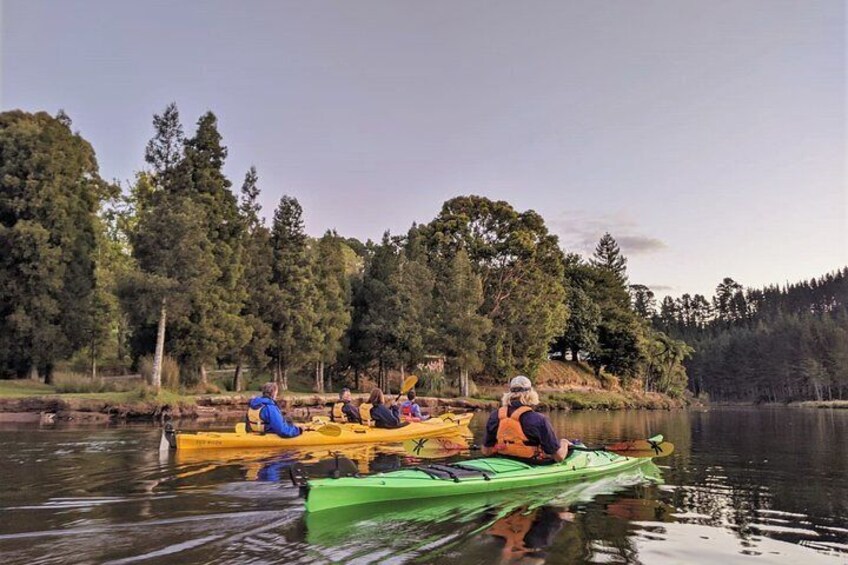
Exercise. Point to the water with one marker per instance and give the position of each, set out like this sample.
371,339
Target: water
743,485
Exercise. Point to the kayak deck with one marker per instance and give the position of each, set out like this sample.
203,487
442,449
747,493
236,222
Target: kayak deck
350,434
467,477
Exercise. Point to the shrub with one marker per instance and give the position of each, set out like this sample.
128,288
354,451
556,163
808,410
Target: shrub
170,371
431,383
77,382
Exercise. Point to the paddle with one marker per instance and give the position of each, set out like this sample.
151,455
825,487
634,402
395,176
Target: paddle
408,384
435,448
331,430
635,449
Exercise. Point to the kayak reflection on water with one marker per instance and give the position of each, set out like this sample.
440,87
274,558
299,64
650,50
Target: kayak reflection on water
527,533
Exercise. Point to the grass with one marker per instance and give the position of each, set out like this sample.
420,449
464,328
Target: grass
23,388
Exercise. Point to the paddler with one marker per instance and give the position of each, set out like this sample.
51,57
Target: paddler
264,417
384,416
517,430
410,410
344,410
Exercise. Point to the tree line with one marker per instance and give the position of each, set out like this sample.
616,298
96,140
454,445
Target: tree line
181,265
772,344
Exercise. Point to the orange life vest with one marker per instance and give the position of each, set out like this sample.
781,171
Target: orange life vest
511,439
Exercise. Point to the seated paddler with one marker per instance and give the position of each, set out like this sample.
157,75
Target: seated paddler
265,417
384,414
516,430
410,410
344,410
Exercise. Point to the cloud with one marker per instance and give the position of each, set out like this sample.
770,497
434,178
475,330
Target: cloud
660,287
639,244
580,232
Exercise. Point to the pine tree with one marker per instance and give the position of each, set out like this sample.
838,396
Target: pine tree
332,304
217,327
258,273
292,317
608,256
461,328
50,192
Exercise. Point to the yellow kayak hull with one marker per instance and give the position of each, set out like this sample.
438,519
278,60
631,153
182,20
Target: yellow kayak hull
350,434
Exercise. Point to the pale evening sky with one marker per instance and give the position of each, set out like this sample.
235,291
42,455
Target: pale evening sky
708,137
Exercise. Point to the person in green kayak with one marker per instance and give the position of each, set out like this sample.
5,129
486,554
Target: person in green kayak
517,430
264,417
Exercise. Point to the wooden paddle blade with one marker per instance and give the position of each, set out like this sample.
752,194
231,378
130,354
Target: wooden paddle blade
331,430
641,449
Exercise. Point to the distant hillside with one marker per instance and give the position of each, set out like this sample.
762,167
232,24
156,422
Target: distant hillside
774,344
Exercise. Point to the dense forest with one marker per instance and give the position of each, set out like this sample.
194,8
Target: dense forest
772,344
178,273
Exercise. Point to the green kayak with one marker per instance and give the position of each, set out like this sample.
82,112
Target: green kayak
485,475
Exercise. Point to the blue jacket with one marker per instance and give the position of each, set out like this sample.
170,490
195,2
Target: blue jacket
273,418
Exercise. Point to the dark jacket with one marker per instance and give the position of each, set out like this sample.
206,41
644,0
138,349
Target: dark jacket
275,423
384,417
352,413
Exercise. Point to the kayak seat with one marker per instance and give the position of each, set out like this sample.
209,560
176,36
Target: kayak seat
454,472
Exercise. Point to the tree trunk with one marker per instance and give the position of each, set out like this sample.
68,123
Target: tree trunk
48,374
204,378
356,379
463,383
93,348
329,378
284,385
33,373
237,386
156,377
575,355
319,376
278,371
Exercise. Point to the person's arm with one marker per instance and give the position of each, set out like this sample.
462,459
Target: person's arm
416,411
352,413
491,435
278,424
556,449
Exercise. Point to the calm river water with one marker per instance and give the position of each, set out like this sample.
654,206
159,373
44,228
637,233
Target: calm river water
758,485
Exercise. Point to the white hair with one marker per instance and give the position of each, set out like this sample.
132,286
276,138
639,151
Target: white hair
527,398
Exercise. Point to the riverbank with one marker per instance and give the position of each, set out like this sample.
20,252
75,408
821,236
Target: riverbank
29,401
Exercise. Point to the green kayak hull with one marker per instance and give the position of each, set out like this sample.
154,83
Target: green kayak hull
485,475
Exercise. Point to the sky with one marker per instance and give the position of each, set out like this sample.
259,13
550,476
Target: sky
708,137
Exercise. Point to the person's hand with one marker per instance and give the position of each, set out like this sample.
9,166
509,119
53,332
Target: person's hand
565,443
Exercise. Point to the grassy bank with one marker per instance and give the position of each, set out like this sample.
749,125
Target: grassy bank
562,386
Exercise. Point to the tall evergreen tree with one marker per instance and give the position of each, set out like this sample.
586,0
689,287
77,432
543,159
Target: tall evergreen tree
258,273
460,326
292,317
50,192
215,327
332,302
608,256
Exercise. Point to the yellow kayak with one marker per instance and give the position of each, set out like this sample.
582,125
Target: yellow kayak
445,426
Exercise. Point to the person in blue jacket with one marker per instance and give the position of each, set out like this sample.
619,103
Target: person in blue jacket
264,417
